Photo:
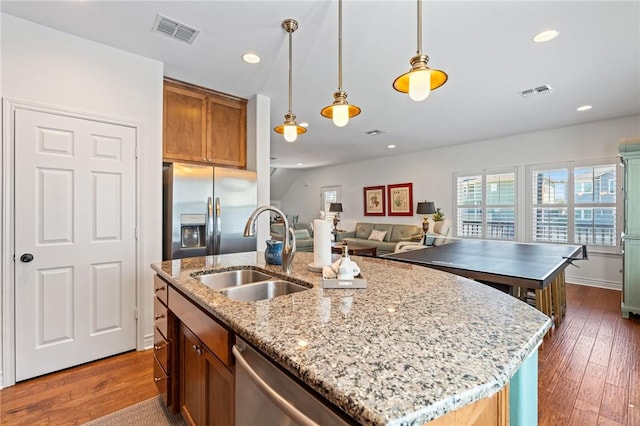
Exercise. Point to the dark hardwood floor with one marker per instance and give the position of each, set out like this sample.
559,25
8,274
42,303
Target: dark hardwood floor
589,375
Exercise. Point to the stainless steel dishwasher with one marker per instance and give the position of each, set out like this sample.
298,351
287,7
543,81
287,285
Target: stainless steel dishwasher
266,395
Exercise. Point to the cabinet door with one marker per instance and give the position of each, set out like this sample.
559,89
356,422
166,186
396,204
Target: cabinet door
191,377
226,131
219,392
185,124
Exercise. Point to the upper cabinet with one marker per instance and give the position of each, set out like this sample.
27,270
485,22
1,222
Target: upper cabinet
203,126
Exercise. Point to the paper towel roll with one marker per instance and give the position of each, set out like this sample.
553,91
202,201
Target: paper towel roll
321,243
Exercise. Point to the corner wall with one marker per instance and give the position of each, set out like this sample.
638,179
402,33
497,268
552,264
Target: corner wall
431,173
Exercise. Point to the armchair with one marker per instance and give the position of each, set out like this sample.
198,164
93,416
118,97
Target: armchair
437,234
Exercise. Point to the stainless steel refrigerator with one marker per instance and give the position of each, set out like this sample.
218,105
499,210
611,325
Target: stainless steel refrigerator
205,209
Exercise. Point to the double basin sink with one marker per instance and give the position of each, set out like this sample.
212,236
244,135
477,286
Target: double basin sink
249,285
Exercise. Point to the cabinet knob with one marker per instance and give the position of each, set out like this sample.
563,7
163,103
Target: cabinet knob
157,317
158,379
158,347
197,350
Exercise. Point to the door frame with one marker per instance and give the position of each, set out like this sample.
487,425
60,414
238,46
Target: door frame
7,243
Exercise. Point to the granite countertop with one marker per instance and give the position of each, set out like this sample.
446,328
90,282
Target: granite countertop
415,344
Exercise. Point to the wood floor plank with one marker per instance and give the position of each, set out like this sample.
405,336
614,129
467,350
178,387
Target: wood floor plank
584,413
592,385
634,396
615,403
601,351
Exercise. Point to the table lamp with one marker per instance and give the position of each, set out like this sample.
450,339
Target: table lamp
425,208
337,209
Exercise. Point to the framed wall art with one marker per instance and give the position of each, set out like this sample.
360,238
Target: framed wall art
400,199
374,201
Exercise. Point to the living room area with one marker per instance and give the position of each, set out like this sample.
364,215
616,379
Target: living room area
434,175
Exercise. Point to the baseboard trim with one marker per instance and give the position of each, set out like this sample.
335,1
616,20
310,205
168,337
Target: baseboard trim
609,285
148,341
1,381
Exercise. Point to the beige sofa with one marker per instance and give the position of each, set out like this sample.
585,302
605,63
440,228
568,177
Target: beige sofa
437,234
393,234
303,231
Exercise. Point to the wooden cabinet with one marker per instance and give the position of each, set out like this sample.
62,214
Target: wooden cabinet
204,370
206,384
162,346
203,126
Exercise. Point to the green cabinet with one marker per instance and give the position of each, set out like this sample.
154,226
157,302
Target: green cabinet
630,266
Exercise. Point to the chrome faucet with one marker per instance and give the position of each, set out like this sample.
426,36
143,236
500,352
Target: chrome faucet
289,238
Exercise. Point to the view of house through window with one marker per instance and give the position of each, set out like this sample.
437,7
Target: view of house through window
486,204
574,203
330,194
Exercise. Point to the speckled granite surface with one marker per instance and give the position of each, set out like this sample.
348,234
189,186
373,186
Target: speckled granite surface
415,344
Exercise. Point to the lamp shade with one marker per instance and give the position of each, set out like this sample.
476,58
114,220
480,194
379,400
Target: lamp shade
426,207
337,207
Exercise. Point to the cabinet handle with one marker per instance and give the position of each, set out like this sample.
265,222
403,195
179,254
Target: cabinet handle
158,379
157,317
197,350
158,347
159,289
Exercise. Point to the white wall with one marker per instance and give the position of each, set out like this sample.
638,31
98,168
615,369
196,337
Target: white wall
48,67
431,173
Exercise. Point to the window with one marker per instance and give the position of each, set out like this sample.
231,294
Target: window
330,194
574,203
486,204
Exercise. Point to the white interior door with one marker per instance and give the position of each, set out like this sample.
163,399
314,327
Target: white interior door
75,216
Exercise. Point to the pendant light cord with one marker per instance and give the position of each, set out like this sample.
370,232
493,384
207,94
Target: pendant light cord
419,52
339,45
290,72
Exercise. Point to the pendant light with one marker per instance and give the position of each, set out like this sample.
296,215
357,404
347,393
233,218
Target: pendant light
420,80
340,111
290,128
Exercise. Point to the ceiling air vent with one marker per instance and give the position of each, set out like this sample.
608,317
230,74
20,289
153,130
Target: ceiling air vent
536,91
175,29
375,132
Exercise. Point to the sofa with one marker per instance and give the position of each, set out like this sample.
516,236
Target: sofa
437,234
302,230
382,236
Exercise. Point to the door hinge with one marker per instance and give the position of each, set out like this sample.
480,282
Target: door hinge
136,233
137,151
135,313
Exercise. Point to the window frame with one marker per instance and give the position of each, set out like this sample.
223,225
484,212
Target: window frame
324,205
571,204
483,202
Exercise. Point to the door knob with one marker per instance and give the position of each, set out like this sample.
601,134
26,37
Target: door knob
26,258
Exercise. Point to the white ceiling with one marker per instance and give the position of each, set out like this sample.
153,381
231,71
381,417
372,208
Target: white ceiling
485,47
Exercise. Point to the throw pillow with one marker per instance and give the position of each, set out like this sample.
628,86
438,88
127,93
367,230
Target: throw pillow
377,235
302,234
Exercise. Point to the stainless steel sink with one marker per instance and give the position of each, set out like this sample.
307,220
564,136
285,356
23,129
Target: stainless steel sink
262,290
220,280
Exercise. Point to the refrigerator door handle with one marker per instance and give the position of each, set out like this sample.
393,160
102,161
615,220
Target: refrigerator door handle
217,228
209,228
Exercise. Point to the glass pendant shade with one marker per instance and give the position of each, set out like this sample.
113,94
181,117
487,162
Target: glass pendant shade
340,115
290,133
419,85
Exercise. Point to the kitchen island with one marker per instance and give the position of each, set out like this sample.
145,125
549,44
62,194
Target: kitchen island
415,344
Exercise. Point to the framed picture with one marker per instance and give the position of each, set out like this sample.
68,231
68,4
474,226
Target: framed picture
374,201
400,199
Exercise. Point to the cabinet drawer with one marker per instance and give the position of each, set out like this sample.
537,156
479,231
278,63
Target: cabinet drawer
162,381
214,336
160,287
161,349
160,316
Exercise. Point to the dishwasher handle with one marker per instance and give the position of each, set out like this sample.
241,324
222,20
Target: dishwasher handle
291,411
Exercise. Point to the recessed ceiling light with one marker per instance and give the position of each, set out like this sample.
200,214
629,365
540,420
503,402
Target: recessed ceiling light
584,108
391,146
251,58
304,124
544,36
